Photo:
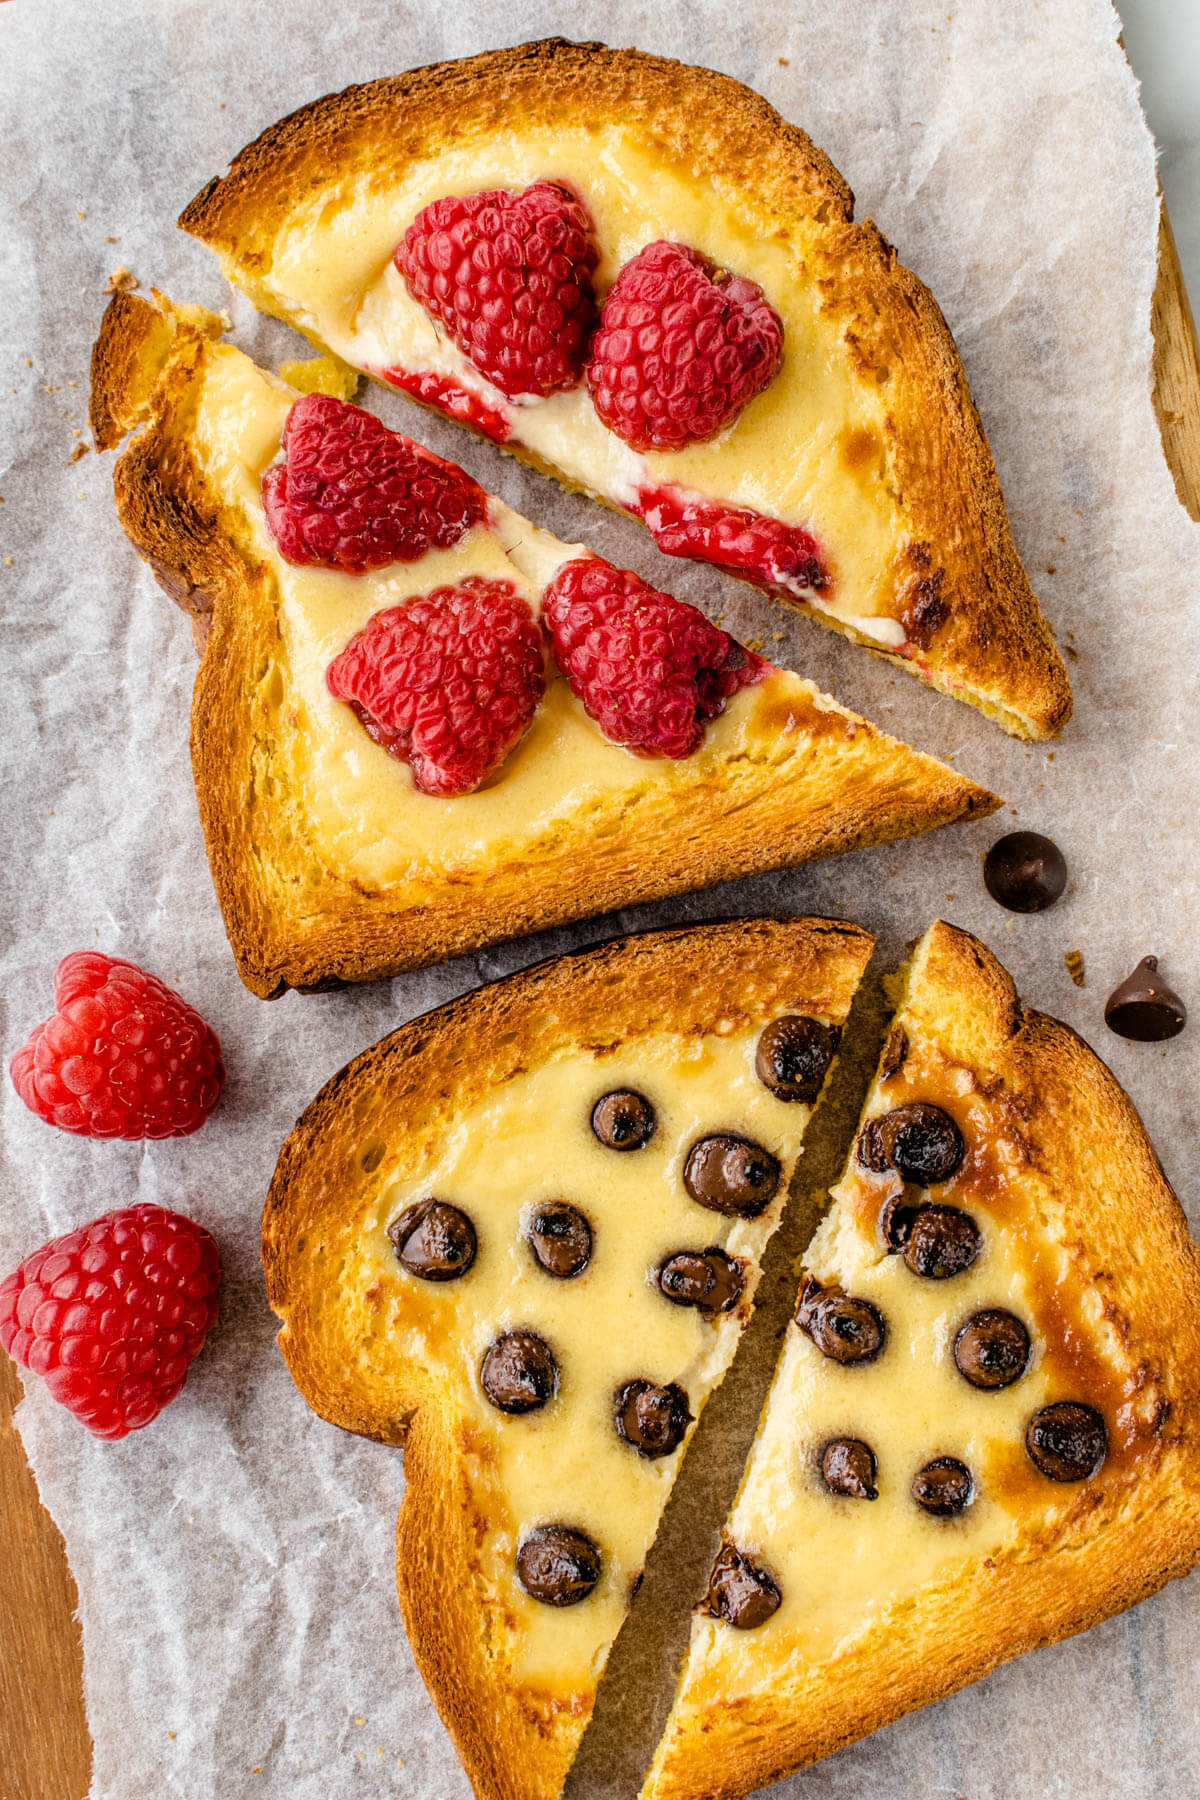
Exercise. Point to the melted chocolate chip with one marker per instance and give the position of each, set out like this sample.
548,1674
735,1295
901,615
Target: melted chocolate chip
434,1240
708,1279
895,1053
942,1241
991,1350
731,1175
943,1487
844,1328
1067,1441
623,1120
1144,1008
869,1149
558,1565
650,1418
561,1240
848,1467
1025,872
896,1220
740,1590
793,1056
519,1372
921,1142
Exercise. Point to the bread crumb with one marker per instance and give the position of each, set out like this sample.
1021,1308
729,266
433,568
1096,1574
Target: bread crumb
783,63
359,1721
29,362
121,282
322,375
112,240
1074,962
80,215
77,452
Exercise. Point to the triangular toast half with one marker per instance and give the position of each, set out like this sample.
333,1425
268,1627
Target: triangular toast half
429,1298
328,864
864,448
984,1429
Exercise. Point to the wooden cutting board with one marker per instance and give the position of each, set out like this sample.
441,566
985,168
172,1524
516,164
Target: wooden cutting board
45,1751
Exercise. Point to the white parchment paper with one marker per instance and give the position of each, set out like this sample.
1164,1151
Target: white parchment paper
234,1561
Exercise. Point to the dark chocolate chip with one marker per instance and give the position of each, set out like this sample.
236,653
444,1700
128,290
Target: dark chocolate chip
558,1565
896,1220
740,1590
991,1350
1144,1008
561,1239
1067,1441
848,1467
921,1142
434,1240
1025,872
895,1053
650,1418
519,1372
943,1487
844,1328
942,1241
793,1056
708,1279
623,1120
731,1175
870,1151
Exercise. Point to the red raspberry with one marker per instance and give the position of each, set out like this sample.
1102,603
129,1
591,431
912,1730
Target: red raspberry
762,550
353,495
447,683
111,1315
122,1057
681,347
651,670
510,277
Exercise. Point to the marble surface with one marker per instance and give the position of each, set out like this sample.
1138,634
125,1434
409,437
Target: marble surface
1162,39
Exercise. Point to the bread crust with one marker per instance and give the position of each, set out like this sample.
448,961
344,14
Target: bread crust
980,631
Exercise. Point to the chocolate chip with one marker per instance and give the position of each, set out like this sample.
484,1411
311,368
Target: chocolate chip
519,1372
921,1142
623,1120
652,1419
793,1056
895,1053
708,1279
1025,872
740,1590
943,1487
731,1175
991,1350
434,1240
845,1329
561,1240
896,1220
869,1149
942,1241
558,1565
848,1467
1067,1441
1144,1008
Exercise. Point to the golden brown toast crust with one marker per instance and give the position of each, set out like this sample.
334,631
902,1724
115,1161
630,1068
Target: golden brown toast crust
992,646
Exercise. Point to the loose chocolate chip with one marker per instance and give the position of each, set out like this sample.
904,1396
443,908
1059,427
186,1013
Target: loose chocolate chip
623,1120
845,1329
991,1350
793,1056
558,1565
519,1372
848,1467
731,1175
561,1239
942,1241
434,1240
896,1220
740,1590
921,1142
708,1279
650,1418
1067,1441
943,1487
1025,872
1144,1008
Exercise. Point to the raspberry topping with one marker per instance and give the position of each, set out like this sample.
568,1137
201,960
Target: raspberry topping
353,495
681,347
111,1315
123,1056
650,669
452,399
510,277
447,683
762,550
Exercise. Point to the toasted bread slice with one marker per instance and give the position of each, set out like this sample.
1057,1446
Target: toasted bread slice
1052,1382
328,863
865,445
492,1106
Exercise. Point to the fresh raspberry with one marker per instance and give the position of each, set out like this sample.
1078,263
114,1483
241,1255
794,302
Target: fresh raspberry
353,495
123,1055
681,347
510,277
651,670
447,683
111,1315
762,550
